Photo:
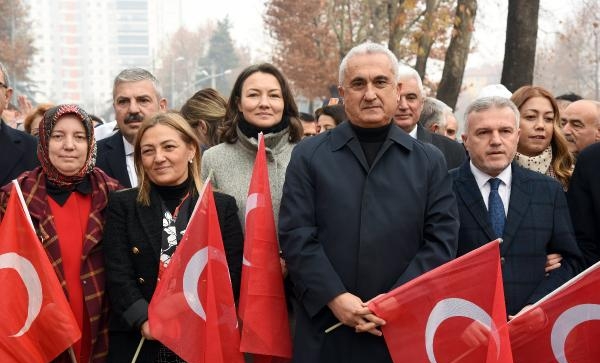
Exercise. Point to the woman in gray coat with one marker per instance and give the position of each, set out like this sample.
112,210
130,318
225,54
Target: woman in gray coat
261,101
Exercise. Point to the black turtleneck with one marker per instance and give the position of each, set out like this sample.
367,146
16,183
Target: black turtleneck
252,131
172,195
371,139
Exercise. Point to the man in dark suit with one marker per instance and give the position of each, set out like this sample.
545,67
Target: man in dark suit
365,208
18,150
584,203
412,96
136,94
499,199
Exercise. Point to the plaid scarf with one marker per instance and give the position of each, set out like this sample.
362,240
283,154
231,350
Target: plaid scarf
33,185
51,117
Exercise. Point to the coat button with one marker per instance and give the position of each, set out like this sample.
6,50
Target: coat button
502,260
141,281
135,250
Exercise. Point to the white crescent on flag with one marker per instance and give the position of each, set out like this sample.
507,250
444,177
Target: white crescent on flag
32,282
191,275
455,307
566,322
254,201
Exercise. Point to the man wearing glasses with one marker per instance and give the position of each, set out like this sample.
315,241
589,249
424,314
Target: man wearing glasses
17,149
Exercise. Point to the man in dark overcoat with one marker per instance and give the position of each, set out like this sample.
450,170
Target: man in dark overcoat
365,208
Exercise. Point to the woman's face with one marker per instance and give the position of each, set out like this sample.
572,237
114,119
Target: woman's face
261,101
165,155
68,145
537,126
325,122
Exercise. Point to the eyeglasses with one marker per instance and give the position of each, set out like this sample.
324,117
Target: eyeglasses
2,85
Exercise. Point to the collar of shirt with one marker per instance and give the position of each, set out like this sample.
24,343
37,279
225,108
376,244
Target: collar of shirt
413,132
128,147
482,179
130,163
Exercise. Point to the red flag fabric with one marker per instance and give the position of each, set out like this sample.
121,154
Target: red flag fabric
454,313
37,321
192,311
263,309
564,326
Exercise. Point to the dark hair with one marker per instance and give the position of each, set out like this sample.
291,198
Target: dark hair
209,106
97,120
233,115
569,97
336,112
306,117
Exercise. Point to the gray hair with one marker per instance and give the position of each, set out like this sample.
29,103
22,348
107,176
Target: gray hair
5,74
434,112
137,75
486,103
367,48
406,72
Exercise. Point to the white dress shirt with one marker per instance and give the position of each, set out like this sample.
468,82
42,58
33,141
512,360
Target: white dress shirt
130,163
482,180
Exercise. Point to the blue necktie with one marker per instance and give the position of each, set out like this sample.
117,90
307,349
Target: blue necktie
496,208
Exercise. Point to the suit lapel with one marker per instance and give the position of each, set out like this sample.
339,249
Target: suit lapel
150,218
468,191
520,198
116,159
423,135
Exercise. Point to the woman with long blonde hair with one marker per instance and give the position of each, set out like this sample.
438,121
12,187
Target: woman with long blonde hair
542,146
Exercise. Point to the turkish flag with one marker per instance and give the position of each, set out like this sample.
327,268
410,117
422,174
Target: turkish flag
37,321
263,309
192,310
454,313
562,327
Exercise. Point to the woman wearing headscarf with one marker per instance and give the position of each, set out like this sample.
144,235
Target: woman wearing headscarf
145,225
66,197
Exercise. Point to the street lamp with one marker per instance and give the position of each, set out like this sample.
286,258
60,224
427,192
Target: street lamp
213,77
176,60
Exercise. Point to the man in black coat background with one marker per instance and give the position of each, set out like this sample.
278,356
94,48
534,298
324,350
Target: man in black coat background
18,150
584,202
410,106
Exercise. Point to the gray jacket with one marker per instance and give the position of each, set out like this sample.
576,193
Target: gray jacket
232,166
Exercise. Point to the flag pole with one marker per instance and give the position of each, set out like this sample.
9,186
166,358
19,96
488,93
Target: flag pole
72,355
22,200
137,351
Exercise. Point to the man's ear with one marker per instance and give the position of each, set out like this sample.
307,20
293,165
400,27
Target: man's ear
162,104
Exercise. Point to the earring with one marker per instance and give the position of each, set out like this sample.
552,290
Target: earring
190,161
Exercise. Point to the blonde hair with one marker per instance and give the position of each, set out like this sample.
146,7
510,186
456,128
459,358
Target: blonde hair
562,160
179,124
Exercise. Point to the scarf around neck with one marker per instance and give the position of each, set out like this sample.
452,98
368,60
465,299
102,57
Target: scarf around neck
540,163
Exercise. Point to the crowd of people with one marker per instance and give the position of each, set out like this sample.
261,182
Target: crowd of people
368,193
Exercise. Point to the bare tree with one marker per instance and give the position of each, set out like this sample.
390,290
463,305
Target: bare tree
521,40
572,62
458,51
15,38
312,36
